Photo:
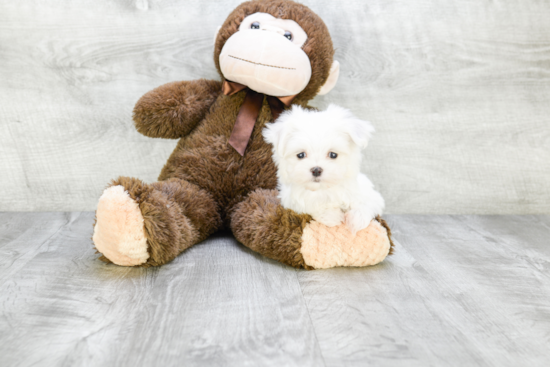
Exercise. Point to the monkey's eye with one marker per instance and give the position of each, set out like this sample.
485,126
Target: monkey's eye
288,35
301,155
255,25
333,155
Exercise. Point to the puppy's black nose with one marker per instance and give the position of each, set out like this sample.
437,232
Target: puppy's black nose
316,171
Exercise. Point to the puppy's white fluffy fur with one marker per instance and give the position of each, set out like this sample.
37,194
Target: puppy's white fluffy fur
302,145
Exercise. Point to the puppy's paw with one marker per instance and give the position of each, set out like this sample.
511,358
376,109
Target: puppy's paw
330,218
357,220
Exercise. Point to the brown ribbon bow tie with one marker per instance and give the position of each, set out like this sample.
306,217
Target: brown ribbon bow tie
250,109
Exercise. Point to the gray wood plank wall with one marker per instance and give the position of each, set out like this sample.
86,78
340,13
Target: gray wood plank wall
459,92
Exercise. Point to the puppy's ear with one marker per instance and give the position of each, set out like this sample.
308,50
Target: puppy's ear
278,132
272,134
359,131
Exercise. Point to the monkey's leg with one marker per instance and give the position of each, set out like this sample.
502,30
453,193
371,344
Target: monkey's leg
264,226
149,225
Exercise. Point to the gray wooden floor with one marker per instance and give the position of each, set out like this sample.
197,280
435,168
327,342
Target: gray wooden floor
460,290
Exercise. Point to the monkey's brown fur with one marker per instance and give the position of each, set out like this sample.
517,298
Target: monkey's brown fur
206,185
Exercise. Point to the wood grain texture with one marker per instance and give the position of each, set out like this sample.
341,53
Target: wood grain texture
459,291
220,304
458,92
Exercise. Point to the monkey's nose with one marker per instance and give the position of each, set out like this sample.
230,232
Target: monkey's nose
316,171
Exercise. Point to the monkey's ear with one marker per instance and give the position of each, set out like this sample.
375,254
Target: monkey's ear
216,34
332,78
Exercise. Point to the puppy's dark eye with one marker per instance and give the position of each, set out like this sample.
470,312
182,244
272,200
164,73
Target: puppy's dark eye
301,155
333,155
255,25
288,35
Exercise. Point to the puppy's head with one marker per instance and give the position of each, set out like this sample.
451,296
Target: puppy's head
317,150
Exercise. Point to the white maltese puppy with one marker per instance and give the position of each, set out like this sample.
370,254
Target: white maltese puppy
318,156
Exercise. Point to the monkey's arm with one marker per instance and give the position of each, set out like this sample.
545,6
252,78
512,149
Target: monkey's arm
172,110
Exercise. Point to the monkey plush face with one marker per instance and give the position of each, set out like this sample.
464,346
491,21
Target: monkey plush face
277,47
274,54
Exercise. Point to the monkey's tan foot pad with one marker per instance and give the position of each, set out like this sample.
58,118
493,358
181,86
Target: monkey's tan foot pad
327,247
119,233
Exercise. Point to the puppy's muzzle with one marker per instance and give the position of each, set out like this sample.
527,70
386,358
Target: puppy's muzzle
316,171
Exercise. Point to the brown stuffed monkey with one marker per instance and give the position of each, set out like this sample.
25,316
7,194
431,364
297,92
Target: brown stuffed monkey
270,54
